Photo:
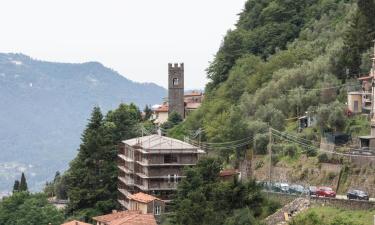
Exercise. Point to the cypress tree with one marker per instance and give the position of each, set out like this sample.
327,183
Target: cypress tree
16,186
23,183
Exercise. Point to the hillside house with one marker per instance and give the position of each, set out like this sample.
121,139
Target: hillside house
160,114
153,164
125,218
146,204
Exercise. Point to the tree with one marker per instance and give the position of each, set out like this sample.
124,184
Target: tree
23,183
16,186
174,119
202,198
25,208
147,113
91,180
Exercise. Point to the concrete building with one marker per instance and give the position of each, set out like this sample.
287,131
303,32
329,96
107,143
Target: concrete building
176,89
154,165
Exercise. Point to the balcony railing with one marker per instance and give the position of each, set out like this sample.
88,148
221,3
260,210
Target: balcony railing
128,182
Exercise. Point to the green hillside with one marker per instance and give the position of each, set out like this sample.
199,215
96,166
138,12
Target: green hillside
283,59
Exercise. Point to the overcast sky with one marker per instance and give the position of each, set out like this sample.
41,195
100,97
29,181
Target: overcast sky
137,38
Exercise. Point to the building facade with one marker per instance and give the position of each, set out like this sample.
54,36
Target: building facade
176,89
154,165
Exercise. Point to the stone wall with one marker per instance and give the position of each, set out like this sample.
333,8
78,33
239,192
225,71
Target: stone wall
342,203
294,207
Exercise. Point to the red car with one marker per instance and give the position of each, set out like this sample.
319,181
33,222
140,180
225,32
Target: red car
325,192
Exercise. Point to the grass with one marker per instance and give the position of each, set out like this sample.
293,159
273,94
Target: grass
328,214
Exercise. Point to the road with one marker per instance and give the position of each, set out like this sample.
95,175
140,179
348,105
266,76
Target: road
344,197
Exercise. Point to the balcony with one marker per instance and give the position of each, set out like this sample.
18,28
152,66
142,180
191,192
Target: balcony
127,159
124,204
125,170
124,192
128,182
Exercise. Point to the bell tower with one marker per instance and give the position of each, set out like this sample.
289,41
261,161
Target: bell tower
176,88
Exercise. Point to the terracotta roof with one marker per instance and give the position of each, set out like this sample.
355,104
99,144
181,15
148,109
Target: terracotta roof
228,172
162,108
127,218
75,222
136,219
142,197
365,77
113,216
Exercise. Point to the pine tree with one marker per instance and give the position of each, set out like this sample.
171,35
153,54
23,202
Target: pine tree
147,113
16,186
23,183
92,177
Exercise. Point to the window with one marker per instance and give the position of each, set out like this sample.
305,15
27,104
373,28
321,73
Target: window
170,159
355,106
175,81
157,210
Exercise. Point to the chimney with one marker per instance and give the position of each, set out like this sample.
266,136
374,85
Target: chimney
77,223
114,211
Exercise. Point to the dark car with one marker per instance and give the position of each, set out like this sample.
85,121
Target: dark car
357,194
325,192
312,190
296,189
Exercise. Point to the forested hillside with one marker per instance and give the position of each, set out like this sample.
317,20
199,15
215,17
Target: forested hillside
284,58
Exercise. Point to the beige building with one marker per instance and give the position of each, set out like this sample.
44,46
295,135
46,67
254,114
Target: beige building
355,102
160,114
146,204
154,165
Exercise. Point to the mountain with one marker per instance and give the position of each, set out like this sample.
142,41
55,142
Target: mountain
44,107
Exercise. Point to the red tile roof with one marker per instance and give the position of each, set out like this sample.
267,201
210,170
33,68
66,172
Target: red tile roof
162,108
113,216
193,93
365,77
136,219
75,222
127,218
142,197
228,172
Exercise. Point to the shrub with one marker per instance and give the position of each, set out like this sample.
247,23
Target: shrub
323,158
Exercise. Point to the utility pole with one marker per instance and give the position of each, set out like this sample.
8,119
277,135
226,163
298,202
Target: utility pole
270,142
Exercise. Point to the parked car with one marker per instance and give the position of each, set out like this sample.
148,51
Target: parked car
297,189
325,192
357,194
281,187
312,190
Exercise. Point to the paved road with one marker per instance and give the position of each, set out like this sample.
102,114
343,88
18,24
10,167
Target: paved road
344,197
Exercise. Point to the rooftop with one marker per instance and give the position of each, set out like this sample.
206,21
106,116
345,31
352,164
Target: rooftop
162,108
157,142
142,197
75,222
127,218
228,172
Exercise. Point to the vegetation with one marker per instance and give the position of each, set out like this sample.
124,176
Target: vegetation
23,208
334,216
20,186
202,198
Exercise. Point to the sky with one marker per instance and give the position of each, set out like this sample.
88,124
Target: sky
137,38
